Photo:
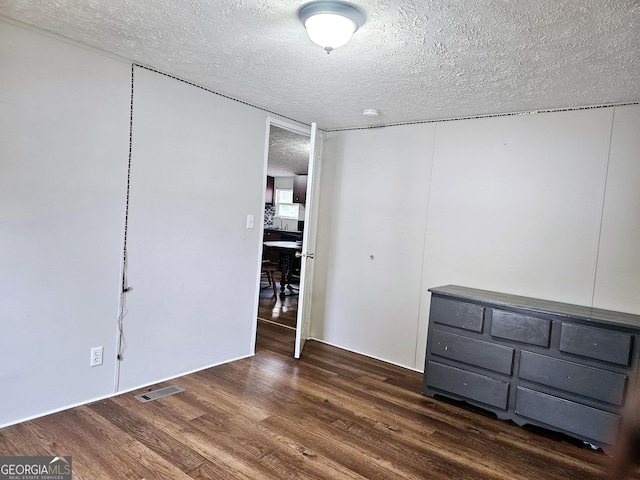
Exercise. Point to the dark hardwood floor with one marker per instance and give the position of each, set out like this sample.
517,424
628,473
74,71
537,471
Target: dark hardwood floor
282,310
330,415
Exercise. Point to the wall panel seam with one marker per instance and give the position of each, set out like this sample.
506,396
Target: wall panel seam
603,203
424,246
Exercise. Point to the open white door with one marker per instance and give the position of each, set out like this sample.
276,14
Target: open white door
308,242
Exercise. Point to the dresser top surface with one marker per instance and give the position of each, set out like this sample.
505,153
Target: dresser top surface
538,305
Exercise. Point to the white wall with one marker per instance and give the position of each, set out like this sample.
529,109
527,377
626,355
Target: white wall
515,205
617,284
373,202
63,167
196,172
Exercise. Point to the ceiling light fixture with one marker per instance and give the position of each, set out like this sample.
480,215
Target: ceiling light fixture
330,24
370,112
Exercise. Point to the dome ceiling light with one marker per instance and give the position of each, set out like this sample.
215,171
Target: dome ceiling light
330,24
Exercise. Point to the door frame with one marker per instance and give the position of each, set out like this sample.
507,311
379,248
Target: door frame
305,131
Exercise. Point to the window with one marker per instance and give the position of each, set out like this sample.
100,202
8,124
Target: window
285,208
284,195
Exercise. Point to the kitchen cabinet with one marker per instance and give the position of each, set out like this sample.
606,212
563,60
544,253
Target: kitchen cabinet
272,235
269,197
300,189
564,367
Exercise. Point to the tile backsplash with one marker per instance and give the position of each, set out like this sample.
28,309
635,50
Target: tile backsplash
271,221
269,215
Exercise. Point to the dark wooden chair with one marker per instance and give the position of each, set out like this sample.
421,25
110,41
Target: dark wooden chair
269,269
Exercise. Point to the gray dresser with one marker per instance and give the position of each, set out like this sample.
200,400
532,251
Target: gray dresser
563,367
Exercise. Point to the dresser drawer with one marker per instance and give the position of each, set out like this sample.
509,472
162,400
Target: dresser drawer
472,351
457,314
566,415
471,385
551,364
521,328
574,378
598,343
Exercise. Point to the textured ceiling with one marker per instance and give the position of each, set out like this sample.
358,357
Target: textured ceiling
413,60
288,153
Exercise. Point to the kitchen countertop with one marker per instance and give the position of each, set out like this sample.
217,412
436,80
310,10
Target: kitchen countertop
271,229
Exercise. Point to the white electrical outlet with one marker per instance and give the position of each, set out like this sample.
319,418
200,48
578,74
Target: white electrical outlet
96,356
249,221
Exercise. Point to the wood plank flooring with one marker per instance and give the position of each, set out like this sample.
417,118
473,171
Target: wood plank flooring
331,415
282,310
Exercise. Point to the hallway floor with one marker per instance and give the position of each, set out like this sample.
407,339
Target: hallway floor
282,310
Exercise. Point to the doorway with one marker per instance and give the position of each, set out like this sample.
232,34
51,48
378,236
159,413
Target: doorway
287,154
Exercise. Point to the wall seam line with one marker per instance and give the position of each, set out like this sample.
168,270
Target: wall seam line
424,245
604,198
124,286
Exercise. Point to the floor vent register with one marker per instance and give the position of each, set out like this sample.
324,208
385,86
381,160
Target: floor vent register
160,393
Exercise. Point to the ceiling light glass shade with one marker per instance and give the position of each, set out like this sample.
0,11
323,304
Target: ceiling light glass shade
329,30
330,24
